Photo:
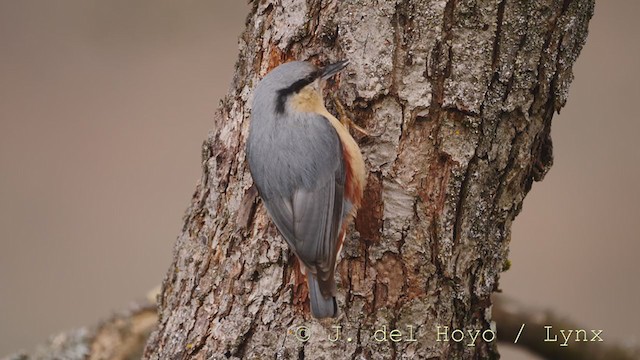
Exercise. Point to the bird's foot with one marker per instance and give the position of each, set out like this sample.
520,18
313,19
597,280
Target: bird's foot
345,119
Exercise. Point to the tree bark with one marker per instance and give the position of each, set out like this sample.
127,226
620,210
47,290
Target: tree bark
458,97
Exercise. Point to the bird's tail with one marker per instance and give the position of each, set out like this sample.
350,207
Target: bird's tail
321,306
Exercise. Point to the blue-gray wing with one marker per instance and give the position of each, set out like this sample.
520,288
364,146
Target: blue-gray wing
310,221
300,175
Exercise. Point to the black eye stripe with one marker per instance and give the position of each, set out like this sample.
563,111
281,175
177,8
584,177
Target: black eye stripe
294,88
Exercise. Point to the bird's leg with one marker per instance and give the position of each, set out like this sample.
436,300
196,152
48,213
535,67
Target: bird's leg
344,118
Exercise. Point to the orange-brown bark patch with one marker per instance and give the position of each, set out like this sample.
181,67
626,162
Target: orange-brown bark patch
369,218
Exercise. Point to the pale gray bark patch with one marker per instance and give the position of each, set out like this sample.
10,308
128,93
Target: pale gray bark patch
387,117
365,34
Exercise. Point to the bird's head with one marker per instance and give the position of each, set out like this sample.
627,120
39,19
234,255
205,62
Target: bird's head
293,86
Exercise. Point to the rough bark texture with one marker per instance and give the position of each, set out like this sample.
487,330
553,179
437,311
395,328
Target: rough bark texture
458,97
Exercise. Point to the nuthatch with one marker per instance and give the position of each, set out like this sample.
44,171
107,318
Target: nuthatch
308,170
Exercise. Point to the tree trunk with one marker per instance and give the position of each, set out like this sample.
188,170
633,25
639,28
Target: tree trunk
458,98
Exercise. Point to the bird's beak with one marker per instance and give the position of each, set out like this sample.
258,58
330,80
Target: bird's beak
333,69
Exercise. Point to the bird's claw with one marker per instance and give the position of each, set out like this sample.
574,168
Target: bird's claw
345,119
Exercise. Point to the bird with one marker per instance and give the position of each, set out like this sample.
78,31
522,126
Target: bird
308,170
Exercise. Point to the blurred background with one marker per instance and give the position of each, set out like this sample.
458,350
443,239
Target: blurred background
104,106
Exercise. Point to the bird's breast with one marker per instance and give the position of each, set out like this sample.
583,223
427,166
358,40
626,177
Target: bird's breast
355,179
309,100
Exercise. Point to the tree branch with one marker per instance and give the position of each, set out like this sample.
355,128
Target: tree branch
121,337
510,315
